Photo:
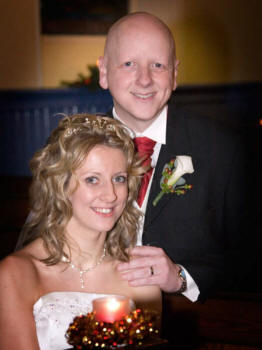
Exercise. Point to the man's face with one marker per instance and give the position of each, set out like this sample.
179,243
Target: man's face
139,71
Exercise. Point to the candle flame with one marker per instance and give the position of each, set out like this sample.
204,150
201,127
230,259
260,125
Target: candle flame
113,304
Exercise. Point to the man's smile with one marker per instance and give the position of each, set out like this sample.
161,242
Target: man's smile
143,96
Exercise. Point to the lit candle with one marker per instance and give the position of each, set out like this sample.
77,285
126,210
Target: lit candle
111,309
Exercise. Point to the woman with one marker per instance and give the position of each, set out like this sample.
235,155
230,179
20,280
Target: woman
81,224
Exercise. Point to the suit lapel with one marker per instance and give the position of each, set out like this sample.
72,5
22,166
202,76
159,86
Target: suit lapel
177,143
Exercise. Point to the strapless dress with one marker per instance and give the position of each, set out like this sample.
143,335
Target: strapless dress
53,313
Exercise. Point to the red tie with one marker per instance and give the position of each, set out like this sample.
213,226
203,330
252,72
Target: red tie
145,148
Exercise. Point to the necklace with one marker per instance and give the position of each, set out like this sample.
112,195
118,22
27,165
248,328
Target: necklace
82,272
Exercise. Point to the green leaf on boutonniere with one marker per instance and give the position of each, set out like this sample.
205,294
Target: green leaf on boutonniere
172,180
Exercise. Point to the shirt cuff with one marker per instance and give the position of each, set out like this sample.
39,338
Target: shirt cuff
192,292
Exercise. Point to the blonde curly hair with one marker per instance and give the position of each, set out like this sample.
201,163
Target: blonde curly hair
52,168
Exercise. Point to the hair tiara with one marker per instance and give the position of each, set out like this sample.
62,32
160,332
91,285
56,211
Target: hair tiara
100,123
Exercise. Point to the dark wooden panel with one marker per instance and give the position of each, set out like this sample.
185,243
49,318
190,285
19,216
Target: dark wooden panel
222,321
14,208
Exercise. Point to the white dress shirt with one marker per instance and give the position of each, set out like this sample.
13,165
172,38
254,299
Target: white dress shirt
157,132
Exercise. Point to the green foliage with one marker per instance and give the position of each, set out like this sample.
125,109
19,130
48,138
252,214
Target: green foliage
90,81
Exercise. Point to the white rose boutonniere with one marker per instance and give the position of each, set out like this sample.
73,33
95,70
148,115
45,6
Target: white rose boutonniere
172,180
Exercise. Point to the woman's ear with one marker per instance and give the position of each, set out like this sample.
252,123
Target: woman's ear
102,73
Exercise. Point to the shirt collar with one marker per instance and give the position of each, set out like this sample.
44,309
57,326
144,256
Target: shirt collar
156,131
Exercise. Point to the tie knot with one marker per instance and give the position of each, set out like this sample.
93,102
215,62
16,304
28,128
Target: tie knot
144,146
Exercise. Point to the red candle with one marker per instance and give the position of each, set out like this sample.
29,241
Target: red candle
111,309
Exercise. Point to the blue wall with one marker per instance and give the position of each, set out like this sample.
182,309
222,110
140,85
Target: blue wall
27,118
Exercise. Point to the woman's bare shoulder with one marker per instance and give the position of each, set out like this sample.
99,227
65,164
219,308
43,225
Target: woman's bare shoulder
20,270
21,259
14,263
18,293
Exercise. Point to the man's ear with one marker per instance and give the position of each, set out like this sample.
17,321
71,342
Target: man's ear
102,73
175,74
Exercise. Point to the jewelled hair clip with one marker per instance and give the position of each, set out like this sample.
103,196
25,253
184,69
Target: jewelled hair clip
100,123
71,131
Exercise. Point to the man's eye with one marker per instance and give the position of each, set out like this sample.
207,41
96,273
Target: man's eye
120,179
91,180
129,64
158,65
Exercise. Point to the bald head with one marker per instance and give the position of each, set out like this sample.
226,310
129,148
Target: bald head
139,68
141,21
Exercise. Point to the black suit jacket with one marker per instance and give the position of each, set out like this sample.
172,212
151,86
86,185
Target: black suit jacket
201,229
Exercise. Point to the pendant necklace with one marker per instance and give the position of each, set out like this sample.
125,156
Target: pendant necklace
82,272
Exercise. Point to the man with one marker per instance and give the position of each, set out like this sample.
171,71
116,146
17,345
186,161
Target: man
186,238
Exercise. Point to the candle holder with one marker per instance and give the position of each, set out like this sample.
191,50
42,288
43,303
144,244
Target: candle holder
132,330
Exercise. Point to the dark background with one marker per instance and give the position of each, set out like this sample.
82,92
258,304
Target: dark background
80,16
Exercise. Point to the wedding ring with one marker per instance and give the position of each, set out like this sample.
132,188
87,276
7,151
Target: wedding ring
151,271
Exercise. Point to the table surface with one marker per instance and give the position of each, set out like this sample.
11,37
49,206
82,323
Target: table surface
153,344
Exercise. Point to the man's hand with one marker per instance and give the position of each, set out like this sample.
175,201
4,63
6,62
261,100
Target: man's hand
151,266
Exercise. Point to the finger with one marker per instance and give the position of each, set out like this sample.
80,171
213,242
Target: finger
146,250
123,266
137,262
154,280
136,273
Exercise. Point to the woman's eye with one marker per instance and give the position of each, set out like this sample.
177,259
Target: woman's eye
91,180
120,179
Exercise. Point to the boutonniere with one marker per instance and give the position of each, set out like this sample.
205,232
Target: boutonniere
172,180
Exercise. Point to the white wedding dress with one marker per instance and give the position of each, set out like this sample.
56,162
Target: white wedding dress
53,313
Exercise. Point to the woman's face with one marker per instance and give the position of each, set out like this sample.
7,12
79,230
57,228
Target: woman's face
102,191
